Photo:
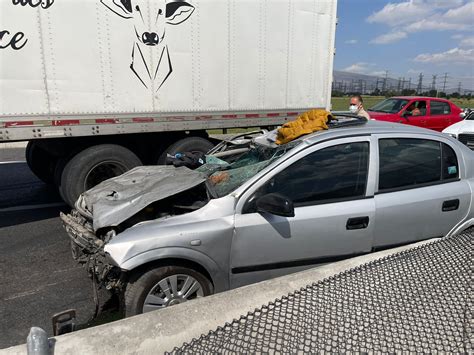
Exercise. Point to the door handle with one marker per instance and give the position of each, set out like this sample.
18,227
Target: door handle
450,205
357,223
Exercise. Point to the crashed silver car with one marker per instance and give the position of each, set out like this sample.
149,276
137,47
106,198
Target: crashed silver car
162,235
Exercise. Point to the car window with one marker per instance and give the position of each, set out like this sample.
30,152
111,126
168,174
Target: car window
439,108
450,163
334,173
389,106
417,108
406,163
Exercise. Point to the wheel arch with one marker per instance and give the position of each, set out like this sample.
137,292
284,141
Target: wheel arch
179,257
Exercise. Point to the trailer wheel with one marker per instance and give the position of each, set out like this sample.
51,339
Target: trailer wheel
189,144
92,166
40,162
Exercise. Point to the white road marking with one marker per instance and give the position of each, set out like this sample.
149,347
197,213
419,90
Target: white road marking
12,162
32,207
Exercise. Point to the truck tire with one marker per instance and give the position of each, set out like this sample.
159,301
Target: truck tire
92,166
40,162
189,144
141,286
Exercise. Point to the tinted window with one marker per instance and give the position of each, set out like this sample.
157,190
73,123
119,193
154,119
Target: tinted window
409,162
337,172
440,108
450,163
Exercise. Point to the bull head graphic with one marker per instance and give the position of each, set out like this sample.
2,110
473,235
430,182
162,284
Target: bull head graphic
150,20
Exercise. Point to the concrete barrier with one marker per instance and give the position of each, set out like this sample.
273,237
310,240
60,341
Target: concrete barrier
161,331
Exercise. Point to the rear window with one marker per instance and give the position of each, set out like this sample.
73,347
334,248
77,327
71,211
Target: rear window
407,163
440,108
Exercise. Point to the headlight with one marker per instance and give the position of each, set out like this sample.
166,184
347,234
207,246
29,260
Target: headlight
452,135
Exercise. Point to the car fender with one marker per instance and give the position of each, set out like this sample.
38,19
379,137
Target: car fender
219,278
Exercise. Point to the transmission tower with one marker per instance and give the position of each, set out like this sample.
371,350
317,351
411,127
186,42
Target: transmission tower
444,82
384,85
433,83
419,88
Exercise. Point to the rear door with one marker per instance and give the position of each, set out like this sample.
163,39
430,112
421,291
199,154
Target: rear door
419,192
440,115
333,219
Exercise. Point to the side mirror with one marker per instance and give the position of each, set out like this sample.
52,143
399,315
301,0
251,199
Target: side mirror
276,204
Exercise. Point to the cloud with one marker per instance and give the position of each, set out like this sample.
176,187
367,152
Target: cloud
389,37
359,68
467,42
452,56
351,41
426,15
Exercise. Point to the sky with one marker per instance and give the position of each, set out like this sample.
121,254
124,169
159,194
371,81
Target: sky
408,37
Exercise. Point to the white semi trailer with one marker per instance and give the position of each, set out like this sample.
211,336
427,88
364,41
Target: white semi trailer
98,87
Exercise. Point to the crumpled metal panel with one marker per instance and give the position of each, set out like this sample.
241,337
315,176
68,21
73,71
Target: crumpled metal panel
115,200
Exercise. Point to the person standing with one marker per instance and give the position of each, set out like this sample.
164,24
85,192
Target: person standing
357,107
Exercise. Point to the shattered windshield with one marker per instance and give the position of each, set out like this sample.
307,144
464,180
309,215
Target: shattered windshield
225,178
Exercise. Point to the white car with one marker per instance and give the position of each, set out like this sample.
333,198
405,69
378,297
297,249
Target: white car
463,131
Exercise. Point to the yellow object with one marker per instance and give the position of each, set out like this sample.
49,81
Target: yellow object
308,122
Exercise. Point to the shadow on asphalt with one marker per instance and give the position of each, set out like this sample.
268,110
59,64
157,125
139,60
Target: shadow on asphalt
13,218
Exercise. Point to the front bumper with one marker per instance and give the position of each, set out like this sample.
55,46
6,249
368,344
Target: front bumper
88,250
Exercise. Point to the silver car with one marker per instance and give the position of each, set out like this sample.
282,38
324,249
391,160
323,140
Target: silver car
164,235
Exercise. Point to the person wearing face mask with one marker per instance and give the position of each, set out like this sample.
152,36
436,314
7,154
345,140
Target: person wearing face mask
356,106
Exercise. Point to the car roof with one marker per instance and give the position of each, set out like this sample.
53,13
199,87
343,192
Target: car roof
367,128
418,98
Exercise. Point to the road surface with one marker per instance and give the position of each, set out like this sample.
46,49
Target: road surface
38,276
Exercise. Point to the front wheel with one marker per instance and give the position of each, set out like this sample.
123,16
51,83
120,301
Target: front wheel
162,287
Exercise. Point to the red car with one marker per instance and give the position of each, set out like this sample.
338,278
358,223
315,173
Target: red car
427,112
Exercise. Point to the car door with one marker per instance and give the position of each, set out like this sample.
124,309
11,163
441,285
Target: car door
419,192
333,213
418,113
439,115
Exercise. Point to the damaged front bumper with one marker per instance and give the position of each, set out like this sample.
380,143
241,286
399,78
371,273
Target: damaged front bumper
88,250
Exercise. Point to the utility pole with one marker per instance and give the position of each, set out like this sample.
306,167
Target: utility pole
403,83
444,82
419,88
409,84
399,84
459,88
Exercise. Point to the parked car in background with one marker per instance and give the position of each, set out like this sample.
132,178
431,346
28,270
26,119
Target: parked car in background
464,130
426,112
164,235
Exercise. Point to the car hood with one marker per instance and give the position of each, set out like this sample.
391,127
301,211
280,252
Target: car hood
384,116
117,199
466,126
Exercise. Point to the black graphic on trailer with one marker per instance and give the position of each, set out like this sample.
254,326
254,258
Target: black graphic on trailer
150,20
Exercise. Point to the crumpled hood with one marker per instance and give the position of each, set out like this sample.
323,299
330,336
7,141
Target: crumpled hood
117,199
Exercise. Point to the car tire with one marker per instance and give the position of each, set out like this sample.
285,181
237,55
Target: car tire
40,162
92,166
140,285
189,144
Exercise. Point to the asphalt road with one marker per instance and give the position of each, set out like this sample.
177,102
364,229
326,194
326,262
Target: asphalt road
38,276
